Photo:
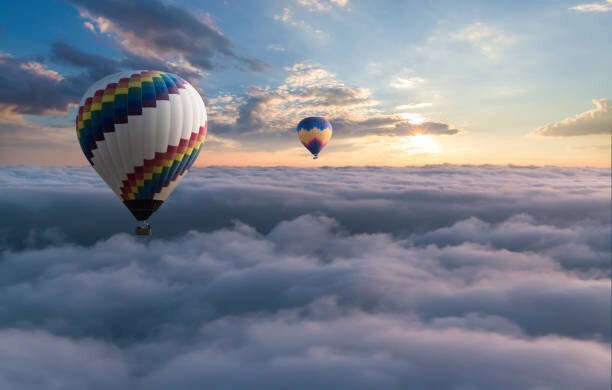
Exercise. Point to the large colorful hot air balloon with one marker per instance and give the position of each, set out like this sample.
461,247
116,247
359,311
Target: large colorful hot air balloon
141,131
314,132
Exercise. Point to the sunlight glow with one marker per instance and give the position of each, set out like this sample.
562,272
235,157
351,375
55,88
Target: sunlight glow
419,144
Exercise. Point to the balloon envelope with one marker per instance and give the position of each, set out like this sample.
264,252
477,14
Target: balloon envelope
314,132
141,131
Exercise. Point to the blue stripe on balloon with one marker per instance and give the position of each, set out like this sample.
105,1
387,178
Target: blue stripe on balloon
312,122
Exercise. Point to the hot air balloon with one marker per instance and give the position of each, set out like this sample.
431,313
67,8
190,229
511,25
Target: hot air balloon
314,132
141,131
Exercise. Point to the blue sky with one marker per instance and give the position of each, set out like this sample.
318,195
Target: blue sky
494,71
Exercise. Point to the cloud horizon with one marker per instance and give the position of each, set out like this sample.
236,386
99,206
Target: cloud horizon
365,277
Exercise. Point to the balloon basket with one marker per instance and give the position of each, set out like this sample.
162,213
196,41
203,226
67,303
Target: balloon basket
315,157
143,230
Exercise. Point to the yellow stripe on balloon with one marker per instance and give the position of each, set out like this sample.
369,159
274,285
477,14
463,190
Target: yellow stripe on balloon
323,136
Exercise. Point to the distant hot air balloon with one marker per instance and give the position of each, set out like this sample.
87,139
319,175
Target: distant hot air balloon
314,132
141,131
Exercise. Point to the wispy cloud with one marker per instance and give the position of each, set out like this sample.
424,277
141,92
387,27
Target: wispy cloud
413,106
604,6
490,40
592,122
401,82
41,70
322,5
276,47
286,17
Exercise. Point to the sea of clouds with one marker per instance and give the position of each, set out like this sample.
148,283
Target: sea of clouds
441,277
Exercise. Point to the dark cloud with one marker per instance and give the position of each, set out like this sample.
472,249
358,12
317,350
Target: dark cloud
96,66
27,86
161,30
389,125
436,277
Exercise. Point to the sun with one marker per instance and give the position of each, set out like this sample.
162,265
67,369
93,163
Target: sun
419,144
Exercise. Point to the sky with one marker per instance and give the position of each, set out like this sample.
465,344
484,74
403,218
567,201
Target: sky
403,82
454,234
439,277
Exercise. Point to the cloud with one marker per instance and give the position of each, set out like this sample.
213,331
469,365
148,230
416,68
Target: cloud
275,47
30,87
604,6
592,122
25,141
488,39
163,32
97,66
337,277
413,106
321,5
406,82
37,359
406,201
287,18
41,70
308,90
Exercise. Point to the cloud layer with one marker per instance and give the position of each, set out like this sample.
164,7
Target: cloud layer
437,277
593,122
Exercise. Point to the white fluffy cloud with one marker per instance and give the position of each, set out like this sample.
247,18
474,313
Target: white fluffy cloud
336,278
592,122
308,90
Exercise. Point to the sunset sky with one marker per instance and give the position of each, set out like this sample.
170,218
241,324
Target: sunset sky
454,234
403,82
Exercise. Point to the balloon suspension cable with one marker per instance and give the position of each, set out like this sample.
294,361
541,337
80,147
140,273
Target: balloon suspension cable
144,229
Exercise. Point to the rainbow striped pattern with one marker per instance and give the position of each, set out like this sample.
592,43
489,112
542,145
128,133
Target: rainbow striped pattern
149,179
115,104
314,133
